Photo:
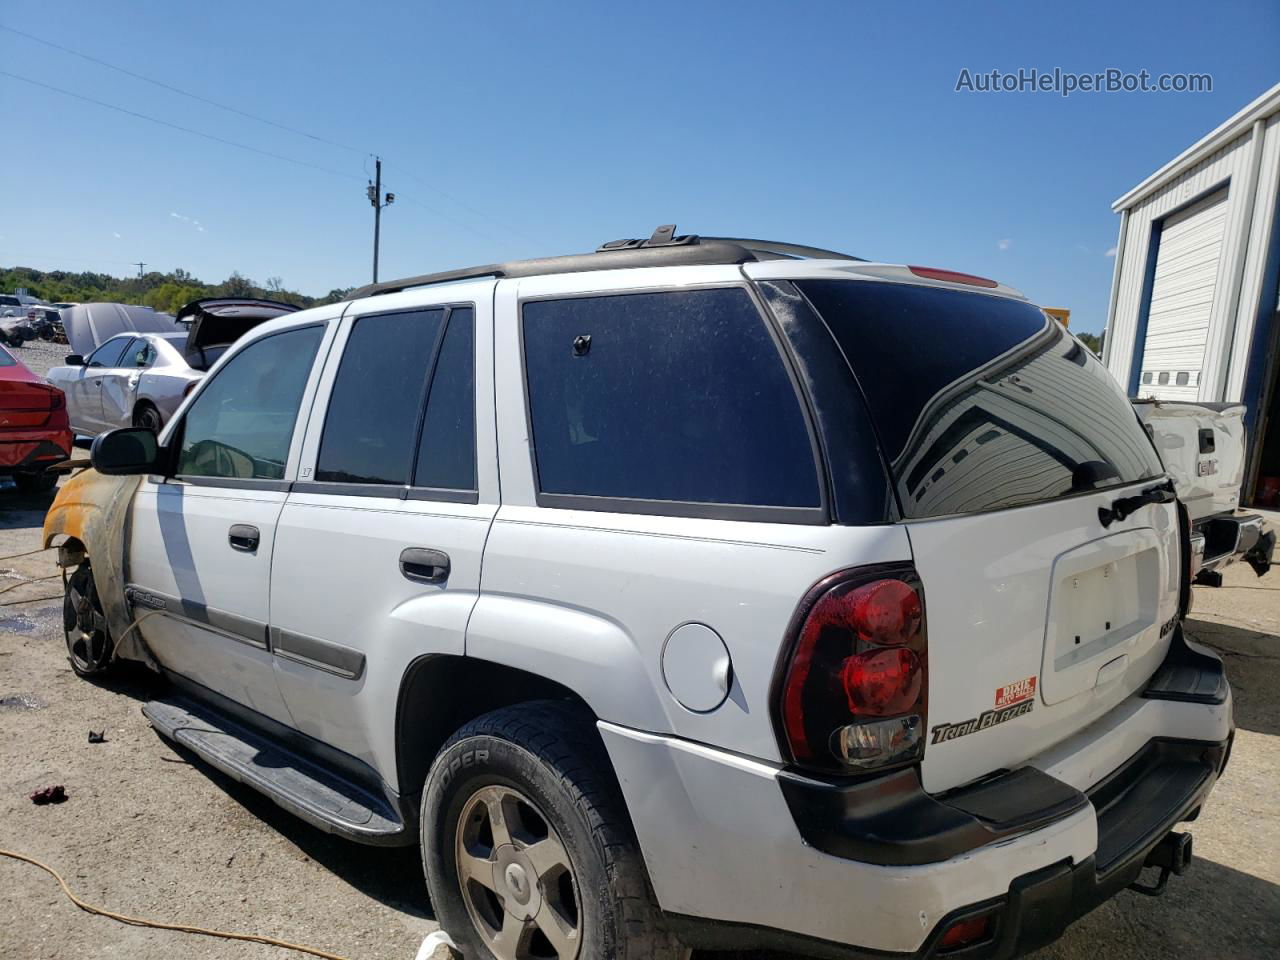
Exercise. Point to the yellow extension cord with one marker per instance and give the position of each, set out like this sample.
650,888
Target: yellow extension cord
158,925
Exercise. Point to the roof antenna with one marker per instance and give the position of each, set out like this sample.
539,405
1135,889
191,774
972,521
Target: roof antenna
663,235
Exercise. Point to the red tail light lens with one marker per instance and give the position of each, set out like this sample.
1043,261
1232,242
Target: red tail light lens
951,276
853,692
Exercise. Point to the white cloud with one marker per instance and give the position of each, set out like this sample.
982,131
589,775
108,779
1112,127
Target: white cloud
191,220
1003,245
116,235
1111,252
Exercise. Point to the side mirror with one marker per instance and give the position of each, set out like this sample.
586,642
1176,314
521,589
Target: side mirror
125,452
74,360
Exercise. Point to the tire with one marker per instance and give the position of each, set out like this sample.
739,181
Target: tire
573,866
89,645
146,415
35,482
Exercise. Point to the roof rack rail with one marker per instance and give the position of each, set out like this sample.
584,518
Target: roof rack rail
663,249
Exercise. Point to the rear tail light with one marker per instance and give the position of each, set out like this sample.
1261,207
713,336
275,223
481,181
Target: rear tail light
964,933
853,692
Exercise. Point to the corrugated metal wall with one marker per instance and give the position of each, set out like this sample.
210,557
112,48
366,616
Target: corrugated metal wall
1240,266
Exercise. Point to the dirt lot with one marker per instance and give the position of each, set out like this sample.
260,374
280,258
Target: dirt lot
148,832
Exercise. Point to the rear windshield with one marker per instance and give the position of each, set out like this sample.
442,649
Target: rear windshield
981,403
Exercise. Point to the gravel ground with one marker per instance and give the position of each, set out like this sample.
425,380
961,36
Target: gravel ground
40,356
149,832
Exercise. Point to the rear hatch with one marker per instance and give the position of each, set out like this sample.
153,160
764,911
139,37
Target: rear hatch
1009,444
215,324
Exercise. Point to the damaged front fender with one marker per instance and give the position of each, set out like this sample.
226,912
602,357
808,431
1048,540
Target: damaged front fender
90,518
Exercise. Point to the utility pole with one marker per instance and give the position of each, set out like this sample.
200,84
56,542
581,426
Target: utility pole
374,193
140,266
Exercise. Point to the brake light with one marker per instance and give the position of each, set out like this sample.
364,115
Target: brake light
966,932
951,276
853,692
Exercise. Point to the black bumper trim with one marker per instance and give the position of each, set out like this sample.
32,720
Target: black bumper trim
1190,673
892,821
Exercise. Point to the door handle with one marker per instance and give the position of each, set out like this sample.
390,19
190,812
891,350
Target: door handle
244,537
424,566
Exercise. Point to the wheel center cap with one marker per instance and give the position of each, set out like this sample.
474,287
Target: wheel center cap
515,882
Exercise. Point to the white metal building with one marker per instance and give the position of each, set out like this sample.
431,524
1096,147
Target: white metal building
1194,297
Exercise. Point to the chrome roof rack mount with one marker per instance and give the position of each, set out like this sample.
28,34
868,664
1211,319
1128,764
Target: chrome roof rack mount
664,248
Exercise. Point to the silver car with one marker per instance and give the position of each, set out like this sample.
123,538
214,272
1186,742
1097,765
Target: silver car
132,379
140,378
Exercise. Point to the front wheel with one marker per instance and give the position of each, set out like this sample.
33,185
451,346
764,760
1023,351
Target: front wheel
147,416
89,645
527,848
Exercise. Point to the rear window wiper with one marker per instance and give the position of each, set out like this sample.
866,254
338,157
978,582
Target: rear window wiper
1124,506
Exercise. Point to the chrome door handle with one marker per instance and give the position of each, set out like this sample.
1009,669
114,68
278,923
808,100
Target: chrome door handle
424,566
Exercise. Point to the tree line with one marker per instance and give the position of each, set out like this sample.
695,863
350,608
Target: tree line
165,292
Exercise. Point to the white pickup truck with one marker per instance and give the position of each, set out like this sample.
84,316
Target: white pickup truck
1202,446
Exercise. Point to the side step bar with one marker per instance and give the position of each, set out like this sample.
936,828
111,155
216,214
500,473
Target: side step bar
317,795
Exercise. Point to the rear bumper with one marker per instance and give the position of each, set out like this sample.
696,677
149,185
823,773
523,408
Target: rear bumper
733,868
25,454
1220,541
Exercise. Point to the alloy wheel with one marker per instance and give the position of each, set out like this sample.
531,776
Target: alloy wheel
516,877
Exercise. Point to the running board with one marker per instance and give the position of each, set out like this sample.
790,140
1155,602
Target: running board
318,795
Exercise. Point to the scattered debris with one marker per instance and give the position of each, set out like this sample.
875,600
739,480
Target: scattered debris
21,701
100,737
55,794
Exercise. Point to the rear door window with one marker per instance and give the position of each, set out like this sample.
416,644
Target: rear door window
659,398
981,402
446,458
371,425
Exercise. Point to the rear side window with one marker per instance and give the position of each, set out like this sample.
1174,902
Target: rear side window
677,396
372,420
447,448
981,403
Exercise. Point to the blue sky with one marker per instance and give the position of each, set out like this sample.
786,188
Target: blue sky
527,129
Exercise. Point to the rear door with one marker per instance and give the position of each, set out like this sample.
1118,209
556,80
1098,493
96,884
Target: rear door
377,558
1009,445
120,385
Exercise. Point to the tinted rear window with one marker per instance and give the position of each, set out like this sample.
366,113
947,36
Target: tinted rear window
981,403
674,396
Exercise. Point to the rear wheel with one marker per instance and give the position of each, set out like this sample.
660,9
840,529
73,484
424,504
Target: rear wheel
89,644
146,415
527,848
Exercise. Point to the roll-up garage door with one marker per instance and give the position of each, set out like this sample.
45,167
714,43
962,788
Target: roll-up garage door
1182,300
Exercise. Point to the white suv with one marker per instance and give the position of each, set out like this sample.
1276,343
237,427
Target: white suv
688,593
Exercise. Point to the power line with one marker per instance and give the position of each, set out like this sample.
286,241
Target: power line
174,126
179,90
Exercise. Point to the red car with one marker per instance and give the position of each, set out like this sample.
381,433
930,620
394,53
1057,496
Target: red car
34,429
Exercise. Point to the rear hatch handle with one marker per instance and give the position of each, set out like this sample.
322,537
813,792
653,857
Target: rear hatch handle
1124,506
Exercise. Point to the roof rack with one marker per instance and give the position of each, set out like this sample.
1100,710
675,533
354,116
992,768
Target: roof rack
663,249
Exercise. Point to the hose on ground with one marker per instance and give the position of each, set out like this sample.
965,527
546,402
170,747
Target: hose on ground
159,925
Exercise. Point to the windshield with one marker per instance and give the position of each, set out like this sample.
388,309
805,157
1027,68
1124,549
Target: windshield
981,402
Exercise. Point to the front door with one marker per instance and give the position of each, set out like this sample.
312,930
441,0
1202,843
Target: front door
377,557
84,394
202,538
